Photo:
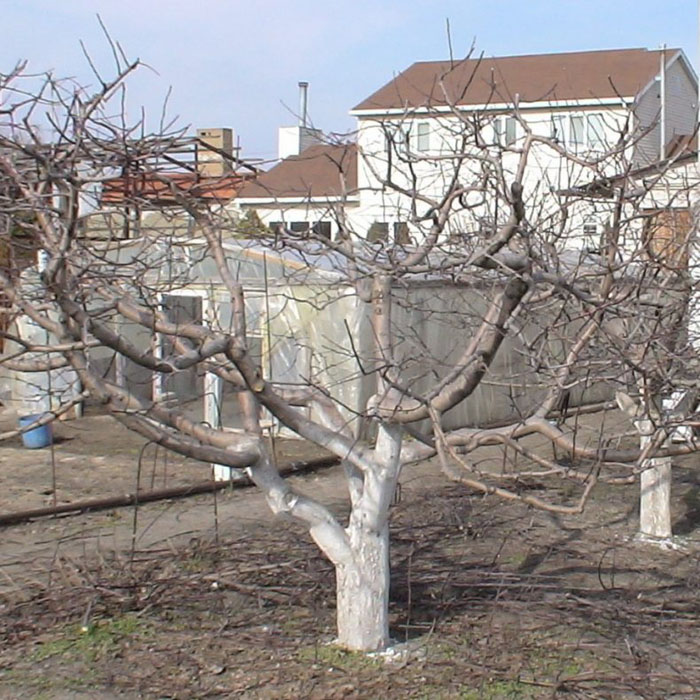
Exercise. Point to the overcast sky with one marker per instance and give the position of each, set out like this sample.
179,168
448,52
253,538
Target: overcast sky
237,62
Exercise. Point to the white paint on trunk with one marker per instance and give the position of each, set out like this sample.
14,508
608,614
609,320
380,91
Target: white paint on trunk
655,496
284,500
363,592
655,501
363,584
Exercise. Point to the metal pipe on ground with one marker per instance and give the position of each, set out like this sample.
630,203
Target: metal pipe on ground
130,499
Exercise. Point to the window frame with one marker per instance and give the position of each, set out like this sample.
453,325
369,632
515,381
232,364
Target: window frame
592,136
422,136
506,131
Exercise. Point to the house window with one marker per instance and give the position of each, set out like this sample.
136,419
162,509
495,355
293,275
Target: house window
423,137
596,132
405,138
299,226
590,231
591,237
505,130
559,128
401,235
322,228
397,137
579,131
378,231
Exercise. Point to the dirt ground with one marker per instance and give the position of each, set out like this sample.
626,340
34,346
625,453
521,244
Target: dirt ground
210,597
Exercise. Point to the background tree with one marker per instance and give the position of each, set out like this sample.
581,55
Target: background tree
491,296
251,226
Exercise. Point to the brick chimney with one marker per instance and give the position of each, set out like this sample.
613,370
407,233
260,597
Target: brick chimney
217,160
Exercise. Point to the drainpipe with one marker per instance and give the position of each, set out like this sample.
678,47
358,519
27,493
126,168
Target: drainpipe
662,118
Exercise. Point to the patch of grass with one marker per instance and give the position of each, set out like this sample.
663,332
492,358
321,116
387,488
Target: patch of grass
73,657
515,560
92,642
328,655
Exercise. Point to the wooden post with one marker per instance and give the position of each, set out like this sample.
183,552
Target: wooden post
213,393
157,380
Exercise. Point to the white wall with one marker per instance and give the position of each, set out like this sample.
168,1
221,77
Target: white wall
309,211
433,168
292,140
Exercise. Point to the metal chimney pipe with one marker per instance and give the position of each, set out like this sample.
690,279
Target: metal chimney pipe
303,101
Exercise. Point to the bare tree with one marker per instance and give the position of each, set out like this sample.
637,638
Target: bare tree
489,331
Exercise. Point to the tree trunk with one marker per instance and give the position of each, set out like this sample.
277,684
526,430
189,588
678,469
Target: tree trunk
362,580
655,500
363,591
655,496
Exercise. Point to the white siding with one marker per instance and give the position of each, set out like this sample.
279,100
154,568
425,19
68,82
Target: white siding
681,112
681,101
647,114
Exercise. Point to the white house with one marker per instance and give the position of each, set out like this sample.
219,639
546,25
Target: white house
308,191
585,101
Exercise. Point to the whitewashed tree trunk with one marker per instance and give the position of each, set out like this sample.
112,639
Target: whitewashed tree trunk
655,501
360,552
363,582
363,592
655,497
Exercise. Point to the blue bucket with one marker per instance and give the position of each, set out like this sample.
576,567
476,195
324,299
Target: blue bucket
34,438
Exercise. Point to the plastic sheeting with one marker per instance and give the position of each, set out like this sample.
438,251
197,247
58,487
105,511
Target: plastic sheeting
307,326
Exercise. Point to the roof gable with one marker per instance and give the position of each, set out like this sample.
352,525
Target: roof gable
613,74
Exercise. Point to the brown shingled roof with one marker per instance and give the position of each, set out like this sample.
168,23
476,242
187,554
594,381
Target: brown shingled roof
539,77
318,171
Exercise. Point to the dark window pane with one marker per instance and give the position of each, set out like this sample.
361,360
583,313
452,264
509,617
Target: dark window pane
299,226
401,235
322,228
378,231
559,128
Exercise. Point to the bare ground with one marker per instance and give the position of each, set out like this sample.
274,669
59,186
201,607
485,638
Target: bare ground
207,598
